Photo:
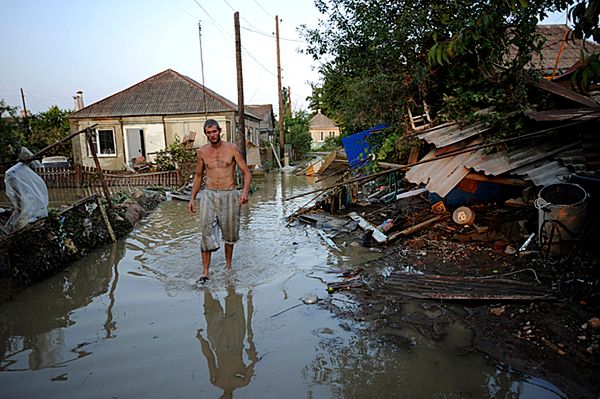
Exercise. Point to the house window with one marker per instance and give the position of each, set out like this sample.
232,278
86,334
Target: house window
105,142
321,136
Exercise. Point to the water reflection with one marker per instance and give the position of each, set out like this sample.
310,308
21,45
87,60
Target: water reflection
32,327
224,345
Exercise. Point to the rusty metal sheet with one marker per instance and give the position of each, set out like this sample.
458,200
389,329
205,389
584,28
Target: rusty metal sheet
559,115
463,288
564,92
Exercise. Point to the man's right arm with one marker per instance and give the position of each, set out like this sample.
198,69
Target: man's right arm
197,182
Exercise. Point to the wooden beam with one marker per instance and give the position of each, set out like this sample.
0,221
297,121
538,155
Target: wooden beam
497,180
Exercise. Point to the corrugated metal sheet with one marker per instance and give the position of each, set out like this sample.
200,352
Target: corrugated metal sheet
543,174
167,93
452,134
443,175
531,163
502,162
559,115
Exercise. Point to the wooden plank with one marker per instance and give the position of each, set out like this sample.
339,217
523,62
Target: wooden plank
415,228
497,180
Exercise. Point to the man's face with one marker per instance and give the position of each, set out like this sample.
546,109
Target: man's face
213,134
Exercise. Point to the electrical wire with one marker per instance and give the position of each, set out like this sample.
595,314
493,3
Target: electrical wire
262,8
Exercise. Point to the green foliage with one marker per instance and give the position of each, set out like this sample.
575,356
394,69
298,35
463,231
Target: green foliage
48,128
11,133
176,152
588,74
379,58
297,132
331,143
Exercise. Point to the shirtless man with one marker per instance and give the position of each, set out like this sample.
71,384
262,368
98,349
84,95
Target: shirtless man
219,201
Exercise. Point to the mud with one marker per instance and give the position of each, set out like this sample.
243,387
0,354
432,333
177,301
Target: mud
553,340
48,246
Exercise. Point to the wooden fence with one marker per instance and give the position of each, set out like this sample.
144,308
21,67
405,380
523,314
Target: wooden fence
79,176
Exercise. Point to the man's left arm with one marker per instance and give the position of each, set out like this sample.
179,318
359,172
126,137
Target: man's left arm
239,160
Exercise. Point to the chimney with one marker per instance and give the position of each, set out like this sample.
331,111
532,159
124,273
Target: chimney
78,100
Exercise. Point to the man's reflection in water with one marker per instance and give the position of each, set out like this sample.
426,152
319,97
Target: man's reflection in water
225,344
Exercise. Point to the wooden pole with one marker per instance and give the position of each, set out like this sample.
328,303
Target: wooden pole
280,93
89,134
241,139
25,116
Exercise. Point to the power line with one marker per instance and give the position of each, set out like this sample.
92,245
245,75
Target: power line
262,8
223,33
272,35
234,10
243,48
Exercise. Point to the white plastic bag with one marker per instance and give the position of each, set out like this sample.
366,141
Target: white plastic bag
28,194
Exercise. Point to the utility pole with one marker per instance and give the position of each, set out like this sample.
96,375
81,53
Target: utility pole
279,90
202,69
241,141
25,119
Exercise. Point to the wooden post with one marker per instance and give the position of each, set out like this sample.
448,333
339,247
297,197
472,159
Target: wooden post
241,139
88,135
111,232
279,90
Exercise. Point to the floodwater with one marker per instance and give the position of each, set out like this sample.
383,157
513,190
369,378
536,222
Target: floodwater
128,321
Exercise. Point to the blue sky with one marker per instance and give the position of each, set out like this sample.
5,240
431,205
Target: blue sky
53,48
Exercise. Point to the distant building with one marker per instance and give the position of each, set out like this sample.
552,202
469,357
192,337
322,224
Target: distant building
321,127
149,116
266,126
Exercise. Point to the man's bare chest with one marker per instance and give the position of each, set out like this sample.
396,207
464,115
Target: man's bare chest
218,160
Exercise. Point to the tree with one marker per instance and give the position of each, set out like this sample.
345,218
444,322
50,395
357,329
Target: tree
457,55
11,133
48,128
297,132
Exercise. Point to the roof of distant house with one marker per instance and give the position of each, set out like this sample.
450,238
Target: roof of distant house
557,37
166,93
264,112
320,121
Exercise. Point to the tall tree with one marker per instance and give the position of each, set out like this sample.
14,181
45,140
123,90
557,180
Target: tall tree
11,133
47,128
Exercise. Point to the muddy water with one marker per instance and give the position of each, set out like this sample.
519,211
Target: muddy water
128,322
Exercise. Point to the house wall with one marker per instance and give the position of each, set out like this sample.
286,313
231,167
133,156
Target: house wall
81,153
154,137
315,134
159,133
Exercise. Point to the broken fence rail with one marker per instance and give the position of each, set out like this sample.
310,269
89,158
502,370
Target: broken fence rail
79,176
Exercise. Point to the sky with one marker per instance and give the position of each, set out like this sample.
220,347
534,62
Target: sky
53,48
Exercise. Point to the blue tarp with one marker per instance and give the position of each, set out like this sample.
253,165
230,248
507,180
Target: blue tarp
357,146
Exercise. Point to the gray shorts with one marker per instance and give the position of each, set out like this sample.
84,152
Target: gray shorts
219,212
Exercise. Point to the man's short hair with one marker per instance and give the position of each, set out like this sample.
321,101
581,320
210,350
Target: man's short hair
211,122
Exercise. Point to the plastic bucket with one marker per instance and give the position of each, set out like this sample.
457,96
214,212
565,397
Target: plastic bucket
561,211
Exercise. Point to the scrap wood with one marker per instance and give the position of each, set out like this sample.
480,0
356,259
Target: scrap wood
327,162
415,228
366,225
328,240
347,284
463,288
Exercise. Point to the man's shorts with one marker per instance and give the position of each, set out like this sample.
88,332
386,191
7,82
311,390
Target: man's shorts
219,212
